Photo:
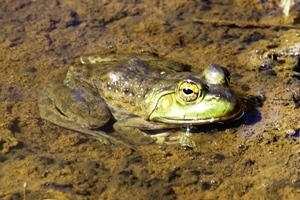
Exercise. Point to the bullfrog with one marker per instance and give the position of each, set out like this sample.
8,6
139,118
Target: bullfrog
143,94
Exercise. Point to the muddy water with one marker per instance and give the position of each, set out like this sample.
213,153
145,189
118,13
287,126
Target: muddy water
254,158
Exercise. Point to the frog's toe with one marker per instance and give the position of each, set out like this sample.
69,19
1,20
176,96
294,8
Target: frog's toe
186,141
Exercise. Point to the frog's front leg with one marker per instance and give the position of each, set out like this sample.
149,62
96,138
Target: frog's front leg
131,129
75,109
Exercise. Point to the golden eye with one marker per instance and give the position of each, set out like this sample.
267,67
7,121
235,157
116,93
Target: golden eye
188,91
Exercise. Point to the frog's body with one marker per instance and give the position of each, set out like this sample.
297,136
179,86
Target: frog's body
141,92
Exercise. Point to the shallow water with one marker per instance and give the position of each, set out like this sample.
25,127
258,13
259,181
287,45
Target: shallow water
254,158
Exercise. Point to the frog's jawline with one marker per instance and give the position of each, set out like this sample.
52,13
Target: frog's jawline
197,121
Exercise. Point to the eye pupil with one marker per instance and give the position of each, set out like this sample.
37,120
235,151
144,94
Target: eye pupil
187,91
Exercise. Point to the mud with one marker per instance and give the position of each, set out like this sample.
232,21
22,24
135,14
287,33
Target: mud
256,157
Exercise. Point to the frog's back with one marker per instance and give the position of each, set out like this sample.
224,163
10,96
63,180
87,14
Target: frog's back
131,75
126,80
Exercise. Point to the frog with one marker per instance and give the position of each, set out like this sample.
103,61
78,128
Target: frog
143,94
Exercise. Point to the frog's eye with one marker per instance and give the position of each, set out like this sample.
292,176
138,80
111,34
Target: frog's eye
216,74
188,91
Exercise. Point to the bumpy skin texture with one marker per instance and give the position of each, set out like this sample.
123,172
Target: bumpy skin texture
141,92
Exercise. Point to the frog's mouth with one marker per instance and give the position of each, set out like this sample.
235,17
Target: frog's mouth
233,116
198,121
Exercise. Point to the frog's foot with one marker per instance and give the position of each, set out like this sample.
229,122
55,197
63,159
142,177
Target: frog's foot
186,141
169,137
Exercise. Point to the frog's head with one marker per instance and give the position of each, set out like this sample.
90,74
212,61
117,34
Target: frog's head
198,100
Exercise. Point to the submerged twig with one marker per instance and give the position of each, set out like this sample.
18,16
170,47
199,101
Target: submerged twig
242,24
